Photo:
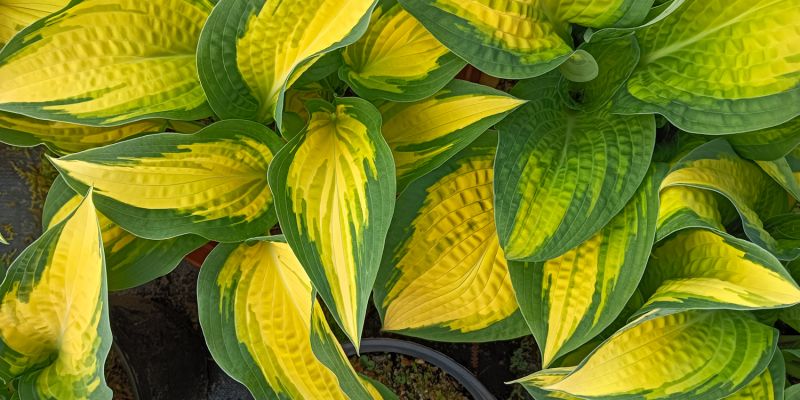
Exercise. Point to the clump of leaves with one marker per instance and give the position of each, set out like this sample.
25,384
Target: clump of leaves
630,203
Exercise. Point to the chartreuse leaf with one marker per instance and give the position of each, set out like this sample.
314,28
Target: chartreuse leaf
534,383
54,329
781,171
86,64
560,179
570,299
767,144
251,51
785,171
212,183
684,207
2,239
256,306
698,268
692,71
768,385
443,274
695,354
397,58
424,134
518,39
66,138
715,166
335,194
17,14
295,115
130,261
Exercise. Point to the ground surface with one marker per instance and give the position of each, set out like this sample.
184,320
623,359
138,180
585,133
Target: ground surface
157,331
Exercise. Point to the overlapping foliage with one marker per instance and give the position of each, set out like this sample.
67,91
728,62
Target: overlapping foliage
627,193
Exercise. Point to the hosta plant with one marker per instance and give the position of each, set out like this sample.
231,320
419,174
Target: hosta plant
621,183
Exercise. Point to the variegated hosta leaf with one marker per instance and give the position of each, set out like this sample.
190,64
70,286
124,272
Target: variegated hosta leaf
397,58
323,67
616,59
130,261
424,134
698,268
691,68
17,14
66,138
54,329
251,51
518,39
212,183
256,307
696,354
563,174
534,383
715,166
684,207
781,171
335,195
443,274
570,299
88,65
767,144
785,171
295,115
768,385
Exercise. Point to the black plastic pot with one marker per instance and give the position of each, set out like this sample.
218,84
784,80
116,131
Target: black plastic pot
431,356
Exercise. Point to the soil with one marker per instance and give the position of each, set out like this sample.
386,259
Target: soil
410,378
118,376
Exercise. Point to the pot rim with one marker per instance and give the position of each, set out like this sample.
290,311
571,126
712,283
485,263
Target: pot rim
431,356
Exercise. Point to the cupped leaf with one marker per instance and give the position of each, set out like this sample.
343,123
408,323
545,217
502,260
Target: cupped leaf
691,69
54,328
767,144
698,354
251,51
715,166
562,174
570,299
518,39
335,195
295,115
443,274
702,269
768,385
17,14
424,134
130,261
88,65
580,67
212,183
781,171
684,207
397,58
66,138
256,307
615,59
